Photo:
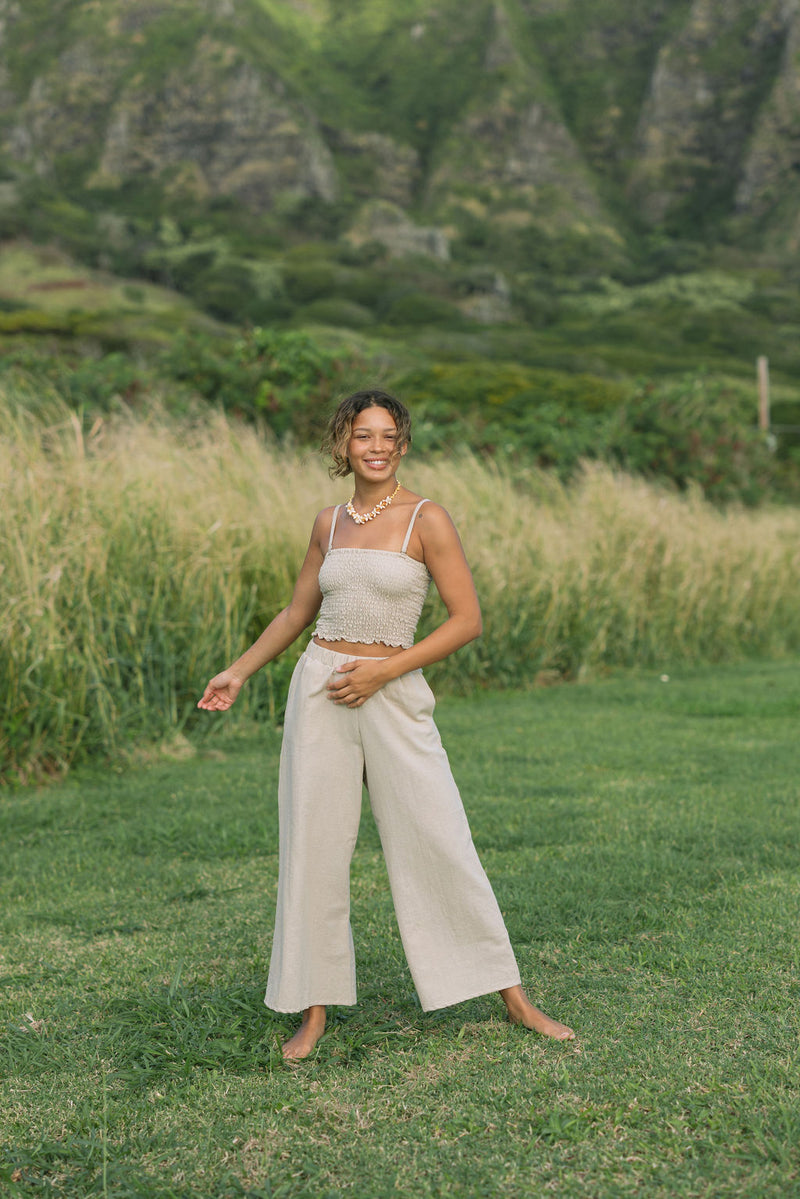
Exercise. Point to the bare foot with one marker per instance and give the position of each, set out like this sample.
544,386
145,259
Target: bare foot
307,1035
521,1011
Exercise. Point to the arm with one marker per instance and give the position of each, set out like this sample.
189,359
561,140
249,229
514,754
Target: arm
444,556
279,634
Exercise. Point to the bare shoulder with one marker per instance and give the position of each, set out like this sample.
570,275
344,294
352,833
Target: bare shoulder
325,516
434,514
322,525
435,525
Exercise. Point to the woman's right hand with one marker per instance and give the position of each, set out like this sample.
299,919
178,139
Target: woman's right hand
220,692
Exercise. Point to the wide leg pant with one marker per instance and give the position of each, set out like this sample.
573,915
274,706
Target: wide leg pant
451,927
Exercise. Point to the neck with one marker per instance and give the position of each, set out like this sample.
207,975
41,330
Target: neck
366,495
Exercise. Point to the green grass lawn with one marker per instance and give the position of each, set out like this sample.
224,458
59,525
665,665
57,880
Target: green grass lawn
643,838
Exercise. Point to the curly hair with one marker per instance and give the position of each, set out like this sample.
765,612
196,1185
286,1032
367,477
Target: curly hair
340,426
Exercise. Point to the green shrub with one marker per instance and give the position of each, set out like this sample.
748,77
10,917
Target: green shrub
362,287
695,430
278,377
535,303
335,311
786,423
550,416
182,270
32,320
308,281
422,308
227,291
95,383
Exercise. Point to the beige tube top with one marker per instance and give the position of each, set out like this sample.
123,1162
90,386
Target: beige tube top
371,596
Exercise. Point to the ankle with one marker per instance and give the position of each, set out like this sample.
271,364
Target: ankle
515,999
315,1015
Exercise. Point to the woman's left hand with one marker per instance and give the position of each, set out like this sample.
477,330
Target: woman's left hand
353,683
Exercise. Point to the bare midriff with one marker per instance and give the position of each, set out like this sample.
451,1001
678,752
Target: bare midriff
358,649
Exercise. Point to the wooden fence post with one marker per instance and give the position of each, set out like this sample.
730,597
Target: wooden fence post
763,394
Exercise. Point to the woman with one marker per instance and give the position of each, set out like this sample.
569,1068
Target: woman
359,710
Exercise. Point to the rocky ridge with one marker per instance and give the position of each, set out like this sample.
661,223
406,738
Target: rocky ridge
693,125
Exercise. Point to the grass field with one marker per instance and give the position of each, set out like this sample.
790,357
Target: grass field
643,838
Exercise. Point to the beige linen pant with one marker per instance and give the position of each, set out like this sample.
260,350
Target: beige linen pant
452,931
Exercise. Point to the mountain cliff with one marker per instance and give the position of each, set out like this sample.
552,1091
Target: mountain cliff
488,120
699,125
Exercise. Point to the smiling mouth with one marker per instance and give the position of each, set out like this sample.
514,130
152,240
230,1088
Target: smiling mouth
377,462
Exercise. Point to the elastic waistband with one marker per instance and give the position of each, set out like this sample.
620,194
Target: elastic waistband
333,658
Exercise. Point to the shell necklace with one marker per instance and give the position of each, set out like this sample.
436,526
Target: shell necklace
361,518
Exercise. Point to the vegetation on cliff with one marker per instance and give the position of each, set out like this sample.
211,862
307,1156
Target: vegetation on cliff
550,214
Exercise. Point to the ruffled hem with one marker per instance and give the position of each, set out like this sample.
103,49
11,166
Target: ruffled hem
366,641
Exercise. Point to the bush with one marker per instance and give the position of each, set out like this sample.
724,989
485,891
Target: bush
363,287
307,281
695,430
421,308
280,378
96,383
227,291
335,311
550,416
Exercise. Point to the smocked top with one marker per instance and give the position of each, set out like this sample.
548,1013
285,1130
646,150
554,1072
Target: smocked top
371,596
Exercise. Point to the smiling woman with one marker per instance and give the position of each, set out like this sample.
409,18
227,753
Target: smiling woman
359,710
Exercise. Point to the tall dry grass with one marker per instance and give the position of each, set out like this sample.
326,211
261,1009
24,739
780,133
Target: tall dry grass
140,555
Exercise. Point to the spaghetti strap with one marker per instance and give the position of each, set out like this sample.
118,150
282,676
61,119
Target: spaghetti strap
411,525
333,525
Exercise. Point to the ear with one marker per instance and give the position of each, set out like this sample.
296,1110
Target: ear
403,449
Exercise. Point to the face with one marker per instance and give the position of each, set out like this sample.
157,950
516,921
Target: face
373,450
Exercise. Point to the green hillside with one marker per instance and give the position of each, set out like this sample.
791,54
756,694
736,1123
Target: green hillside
612,115
597,191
